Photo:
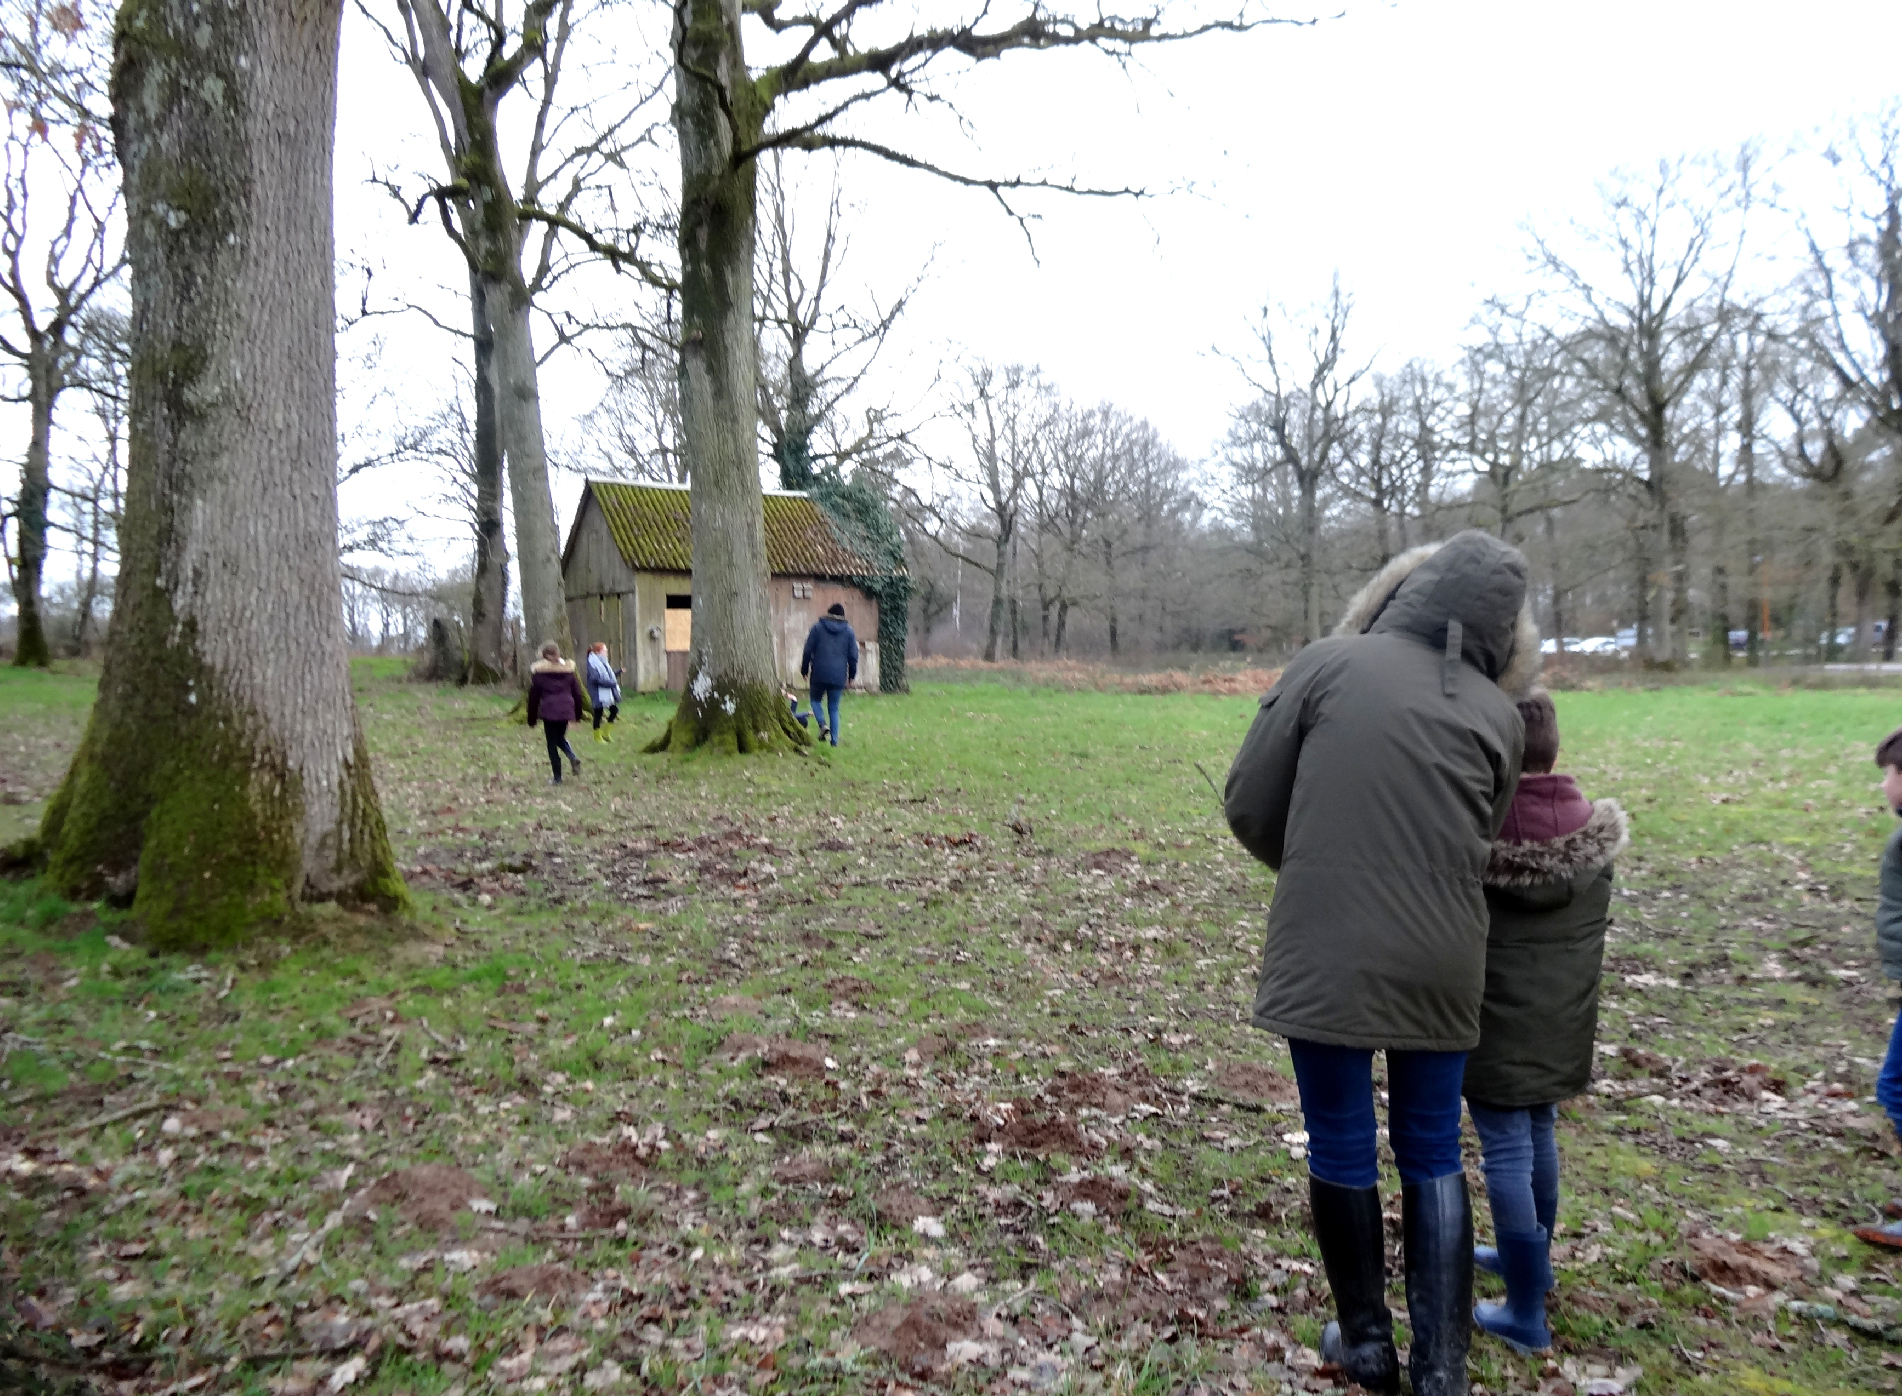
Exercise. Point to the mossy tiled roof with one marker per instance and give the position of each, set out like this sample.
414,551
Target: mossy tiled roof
651,525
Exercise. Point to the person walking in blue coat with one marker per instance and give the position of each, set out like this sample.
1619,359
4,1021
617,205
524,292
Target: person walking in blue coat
831,661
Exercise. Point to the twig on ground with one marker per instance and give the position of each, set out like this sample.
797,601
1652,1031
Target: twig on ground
111,1117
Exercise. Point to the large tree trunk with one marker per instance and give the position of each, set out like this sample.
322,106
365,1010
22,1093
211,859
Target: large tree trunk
731,700
1310,545
519,403
1678,542
1000,585
1893,590
30,648
489,603
223,774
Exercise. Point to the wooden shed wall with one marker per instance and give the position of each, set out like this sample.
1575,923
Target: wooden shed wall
793,616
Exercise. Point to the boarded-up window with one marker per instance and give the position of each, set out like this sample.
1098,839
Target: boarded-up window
679,623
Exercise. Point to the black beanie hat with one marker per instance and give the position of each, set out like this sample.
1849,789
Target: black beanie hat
837,608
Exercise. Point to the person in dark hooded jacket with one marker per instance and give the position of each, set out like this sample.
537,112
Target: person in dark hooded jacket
831,661
1548,890
554,700
1374,779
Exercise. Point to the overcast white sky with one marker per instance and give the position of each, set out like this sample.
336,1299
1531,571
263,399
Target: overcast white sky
1404,145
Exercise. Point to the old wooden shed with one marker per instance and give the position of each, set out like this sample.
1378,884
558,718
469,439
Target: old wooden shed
627,571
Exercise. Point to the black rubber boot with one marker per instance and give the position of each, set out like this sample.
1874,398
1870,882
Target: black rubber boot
1437,1235
1347,1228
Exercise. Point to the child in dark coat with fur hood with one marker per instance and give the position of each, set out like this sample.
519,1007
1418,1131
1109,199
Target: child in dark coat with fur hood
1548,888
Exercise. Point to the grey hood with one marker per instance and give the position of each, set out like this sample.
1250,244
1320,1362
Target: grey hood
1472,580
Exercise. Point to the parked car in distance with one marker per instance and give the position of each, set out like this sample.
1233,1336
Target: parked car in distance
1596,644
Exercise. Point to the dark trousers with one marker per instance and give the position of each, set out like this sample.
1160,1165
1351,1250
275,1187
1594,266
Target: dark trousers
1522,1164
613,711
555,730
1889,1081
829,719
1337,1105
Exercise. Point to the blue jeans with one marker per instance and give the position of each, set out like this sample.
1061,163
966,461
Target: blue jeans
1889,1083
1522,1165
1337,1105
829,695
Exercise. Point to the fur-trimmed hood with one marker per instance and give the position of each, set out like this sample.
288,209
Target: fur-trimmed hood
1599,840
1471,578
552,666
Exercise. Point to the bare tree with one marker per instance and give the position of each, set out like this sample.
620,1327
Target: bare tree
96,500
1518,421
725,117
60,245
815,353
1639,315
979,508
223,778
1304,416
522,232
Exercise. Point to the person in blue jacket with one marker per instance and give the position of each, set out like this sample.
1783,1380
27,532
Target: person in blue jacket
831,661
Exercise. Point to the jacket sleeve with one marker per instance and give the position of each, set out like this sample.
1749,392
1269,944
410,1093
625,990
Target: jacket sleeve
805,660
851,656
1261,781
534,702
1889,908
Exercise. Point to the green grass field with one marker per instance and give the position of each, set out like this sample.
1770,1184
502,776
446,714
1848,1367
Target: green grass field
921,1062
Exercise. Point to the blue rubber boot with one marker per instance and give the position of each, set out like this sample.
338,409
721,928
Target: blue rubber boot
1545,1207
1520,1321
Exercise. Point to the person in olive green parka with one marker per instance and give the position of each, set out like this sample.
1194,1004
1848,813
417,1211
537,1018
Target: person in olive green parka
1373,781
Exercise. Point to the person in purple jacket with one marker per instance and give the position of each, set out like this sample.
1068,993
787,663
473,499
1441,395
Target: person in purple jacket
554,699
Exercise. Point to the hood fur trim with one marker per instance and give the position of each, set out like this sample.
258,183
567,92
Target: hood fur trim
1521,671
1372,598
552,666
1587,848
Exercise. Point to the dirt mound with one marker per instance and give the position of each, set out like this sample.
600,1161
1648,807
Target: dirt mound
1253,1081
1026,1130
430,1196
783,1056
849,988
900,1206
545,1281
1734,1264
914,1335
1107,1197
603,1212
804,1169
1723,1082
1098,1090
1206,1269
620,1159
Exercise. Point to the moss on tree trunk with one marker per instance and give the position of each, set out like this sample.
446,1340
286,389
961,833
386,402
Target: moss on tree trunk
223,777
737,718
